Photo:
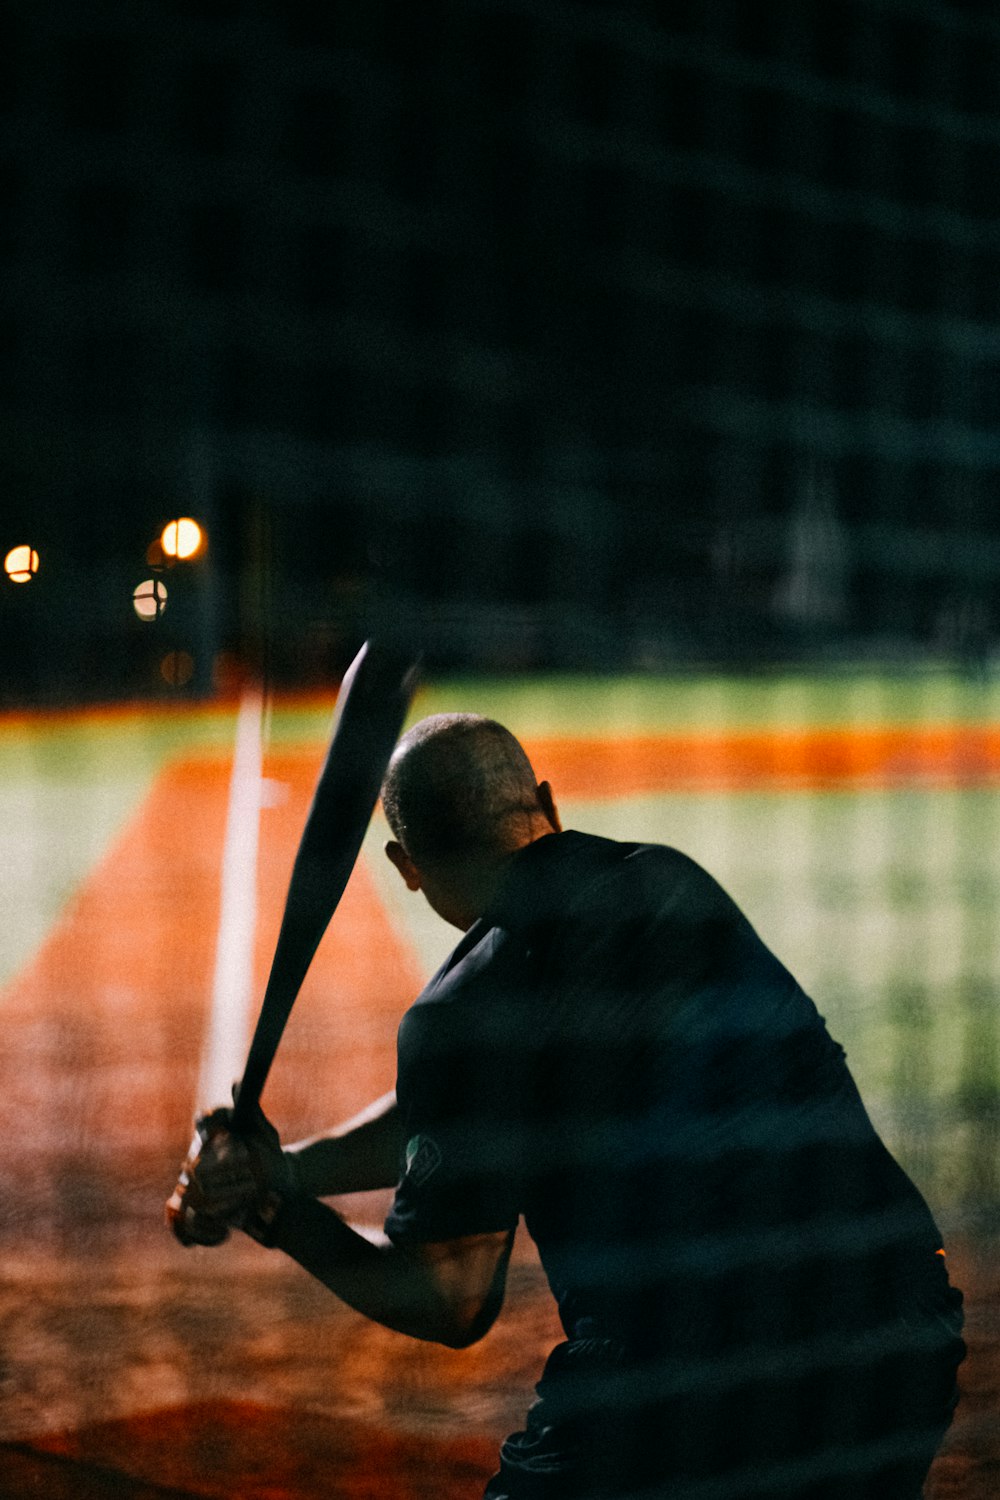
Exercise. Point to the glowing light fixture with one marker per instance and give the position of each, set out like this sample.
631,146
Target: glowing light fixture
21,564
182,538
149,599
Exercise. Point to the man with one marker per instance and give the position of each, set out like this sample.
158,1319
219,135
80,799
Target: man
753,1292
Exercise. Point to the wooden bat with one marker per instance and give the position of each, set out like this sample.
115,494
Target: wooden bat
371,707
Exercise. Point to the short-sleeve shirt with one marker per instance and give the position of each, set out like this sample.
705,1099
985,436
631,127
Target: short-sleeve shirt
613,1053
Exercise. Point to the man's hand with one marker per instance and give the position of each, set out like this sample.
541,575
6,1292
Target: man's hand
193,1217
230,1180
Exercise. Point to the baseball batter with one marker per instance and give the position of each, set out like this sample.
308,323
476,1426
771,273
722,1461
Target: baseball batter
753,1293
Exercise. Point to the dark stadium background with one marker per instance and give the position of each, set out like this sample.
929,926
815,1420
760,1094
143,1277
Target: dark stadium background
590,336
638,359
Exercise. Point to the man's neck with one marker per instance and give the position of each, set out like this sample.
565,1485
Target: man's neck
478,883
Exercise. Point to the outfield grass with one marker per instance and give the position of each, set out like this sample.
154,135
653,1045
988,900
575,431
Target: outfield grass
689,701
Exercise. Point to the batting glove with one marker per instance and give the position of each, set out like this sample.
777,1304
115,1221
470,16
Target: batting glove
230,1179
245,1176
193,1215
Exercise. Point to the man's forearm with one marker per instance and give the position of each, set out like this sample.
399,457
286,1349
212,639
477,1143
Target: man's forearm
361,1154
374,1277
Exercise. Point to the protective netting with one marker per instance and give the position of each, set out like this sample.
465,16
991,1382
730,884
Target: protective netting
639,361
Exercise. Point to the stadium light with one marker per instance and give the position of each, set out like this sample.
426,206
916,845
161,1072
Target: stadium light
21,564
149,599
182,539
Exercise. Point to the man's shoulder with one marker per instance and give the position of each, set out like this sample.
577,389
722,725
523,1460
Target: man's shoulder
594,854
557,888
468,960
570,861
473,968
576,872
474,1002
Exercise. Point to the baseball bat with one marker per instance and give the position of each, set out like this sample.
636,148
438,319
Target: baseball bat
371,707
372,704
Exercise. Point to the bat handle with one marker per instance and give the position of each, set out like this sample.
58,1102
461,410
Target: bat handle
245,1103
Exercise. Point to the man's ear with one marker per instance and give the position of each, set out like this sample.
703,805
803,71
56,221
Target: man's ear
547,803
398,856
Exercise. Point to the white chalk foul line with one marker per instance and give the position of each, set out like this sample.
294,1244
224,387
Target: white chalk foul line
228,1034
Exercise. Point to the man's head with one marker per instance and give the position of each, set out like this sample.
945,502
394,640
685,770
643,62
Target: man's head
461,798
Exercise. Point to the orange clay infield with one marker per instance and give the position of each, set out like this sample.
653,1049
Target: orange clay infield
805,760
134,1368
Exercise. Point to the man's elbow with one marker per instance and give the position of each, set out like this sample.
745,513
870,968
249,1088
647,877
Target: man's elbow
461,1287
461,1327
463,1336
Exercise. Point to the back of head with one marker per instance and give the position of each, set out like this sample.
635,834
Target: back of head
459,787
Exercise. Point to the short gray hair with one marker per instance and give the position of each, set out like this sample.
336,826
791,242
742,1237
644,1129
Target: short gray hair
456,787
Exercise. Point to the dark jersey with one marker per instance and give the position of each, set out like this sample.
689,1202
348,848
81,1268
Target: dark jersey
613,1053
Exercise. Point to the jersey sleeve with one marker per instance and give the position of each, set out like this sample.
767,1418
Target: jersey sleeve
460,1175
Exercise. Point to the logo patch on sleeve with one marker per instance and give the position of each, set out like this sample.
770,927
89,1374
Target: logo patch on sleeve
423,1156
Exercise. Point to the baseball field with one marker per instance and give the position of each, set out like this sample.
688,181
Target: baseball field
855,817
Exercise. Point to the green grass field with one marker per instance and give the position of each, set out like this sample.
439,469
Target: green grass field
882,902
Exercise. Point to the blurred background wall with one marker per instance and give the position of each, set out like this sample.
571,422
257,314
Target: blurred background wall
595,336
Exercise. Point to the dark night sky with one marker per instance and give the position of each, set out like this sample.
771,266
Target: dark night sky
641,323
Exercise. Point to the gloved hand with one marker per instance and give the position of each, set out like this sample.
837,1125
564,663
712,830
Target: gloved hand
230,1180
195,1219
